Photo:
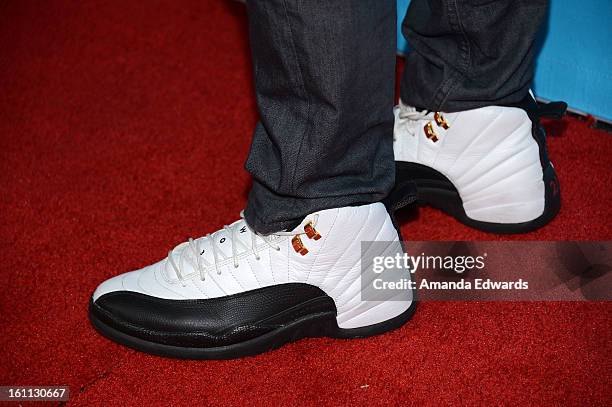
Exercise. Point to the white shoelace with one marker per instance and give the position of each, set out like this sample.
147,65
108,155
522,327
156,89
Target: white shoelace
194,247
416,118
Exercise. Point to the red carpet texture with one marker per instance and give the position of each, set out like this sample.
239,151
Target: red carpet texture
123,131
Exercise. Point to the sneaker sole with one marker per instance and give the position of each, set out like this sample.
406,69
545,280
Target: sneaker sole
434,189
311,326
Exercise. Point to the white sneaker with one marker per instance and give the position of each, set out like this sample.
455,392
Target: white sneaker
236,293
487,167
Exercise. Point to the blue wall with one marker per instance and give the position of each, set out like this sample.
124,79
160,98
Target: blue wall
575,64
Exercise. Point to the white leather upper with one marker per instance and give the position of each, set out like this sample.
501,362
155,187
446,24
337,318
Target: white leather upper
489,155
333,264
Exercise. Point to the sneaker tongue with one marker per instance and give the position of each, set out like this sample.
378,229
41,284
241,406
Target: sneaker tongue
186,259
223,241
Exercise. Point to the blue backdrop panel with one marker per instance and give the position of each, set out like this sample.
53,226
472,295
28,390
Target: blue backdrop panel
575,63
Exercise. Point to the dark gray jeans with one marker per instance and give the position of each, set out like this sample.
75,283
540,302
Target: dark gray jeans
324,80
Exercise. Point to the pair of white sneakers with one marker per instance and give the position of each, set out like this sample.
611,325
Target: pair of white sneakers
235,293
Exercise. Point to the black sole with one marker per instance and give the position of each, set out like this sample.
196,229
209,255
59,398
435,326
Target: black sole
434,189
311,326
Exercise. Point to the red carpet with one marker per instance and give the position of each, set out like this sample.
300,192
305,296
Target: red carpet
123,130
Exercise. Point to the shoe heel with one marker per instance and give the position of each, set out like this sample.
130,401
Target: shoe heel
378,319
434,189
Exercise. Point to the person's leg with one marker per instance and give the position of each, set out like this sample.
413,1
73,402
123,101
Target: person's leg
467,131
324,73
324,78
470,53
